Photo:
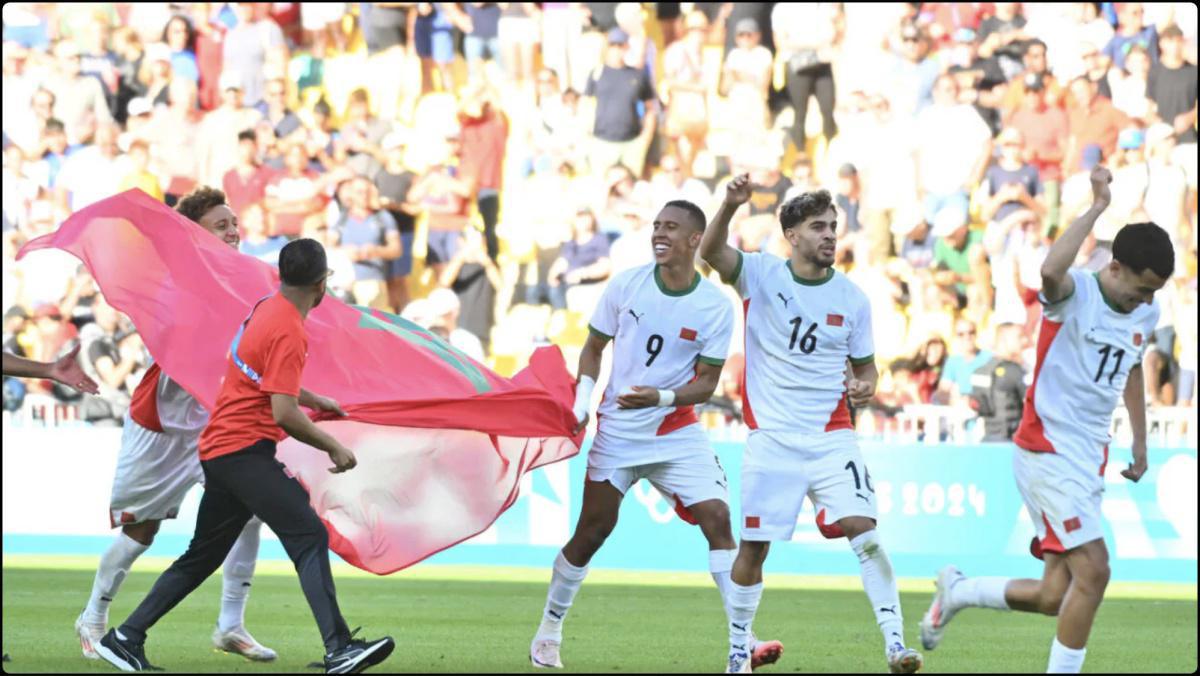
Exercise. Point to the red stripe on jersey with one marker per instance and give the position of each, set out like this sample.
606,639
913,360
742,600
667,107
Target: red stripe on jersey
680,417
747,412
143,408
687,334
834,320
1031,435
840,418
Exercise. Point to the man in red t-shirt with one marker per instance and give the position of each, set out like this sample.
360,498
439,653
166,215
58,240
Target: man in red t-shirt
257,406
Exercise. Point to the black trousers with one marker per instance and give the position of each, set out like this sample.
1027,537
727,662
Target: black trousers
816,81
489,210
237,486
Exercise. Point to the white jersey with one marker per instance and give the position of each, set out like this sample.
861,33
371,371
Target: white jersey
799,334
660,336
1085,351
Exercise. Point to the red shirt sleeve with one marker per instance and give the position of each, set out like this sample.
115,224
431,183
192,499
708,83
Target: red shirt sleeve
284,364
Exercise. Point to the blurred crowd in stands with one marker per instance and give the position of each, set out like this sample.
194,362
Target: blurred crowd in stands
484,168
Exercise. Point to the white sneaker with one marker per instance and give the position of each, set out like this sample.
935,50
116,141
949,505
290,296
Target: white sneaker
239,642
543,653
89,635
739,662
903,660
933,624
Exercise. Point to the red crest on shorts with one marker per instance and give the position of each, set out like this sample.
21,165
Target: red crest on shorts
687,334
834,320
1072,524
752,522
1137,340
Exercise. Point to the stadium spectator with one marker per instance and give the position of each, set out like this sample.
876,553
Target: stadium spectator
444,197
957,250
965,357
1172,86
806,35
254,239
275,110
1044,128
685,92
518,31
159,74
481,43
583,262
442,310
484,136
915,68
246,183
139,174
746,80
621,133
1037,71
253,48
432,34
217,137
129,56
1128,84
1131,31
180,37
927,367
1093,119
952,149
371,239
394,182
1011,183
998,386
361,132
111,355
294,194
475,279
93,172
78,98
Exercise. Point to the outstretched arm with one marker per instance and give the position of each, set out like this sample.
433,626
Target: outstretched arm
1056,283
66,371
714,247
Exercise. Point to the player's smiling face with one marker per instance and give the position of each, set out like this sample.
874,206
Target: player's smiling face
815,238
674,238
1132,289
222,222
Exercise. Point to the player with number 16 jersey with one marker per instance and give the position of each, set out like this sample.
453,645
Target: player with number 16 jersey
806,325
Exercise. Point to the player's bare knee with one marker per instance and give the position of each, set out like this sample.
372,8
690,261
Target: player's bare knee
1049,601
1093,578
853,526
753,552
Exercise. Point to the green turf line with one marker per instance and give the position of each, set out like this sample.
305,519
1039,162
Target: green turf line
476,573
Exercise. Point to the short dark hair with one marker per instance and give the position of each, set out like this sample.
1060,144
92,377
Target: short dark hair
805,206
1037,42
247,135
197,203
697,214
302,263
1141,246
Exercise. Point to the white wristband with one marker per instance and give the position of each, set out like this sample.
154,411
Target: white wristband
583,396
666,397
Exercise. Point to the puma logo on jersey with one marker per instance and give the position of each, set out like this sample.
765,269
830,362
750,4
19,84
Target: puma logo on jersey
785,300
557,616
865,498
636,317
888,609
739,627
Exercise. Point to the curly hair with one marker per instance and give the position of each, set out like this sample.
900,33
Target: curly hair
197,203
805,206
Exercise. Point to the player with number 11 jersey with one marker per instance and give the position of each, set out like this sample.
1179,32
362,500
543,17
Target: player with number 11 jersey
806,324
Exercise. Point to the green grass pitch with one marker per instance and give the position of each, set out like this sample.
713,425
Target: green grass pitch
459,619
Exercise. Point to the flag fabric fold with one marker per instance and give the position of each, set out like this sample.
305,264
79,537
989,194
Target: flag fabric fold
441,441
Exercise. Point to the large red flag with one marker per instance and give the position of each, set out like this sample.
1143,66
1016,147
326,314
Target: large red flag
441,441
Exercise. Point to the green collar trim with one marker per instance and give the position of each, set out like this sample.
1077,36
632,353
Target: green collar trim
810,282
663,287
1107,301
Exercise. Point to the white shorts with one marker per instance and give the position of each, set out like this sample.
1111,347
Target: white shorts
155,471
685,479
780,468
1063,503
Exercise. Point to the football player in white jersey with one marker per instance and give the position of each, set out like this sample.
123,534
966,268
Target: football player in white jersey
804,324
1094,331
671,330
157,465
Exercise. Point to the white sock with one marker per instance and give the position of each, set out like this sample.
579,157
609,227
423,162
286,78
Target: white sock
741,607
980,592
564,584
114,566
880,584
720,564
1064,660
236,573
